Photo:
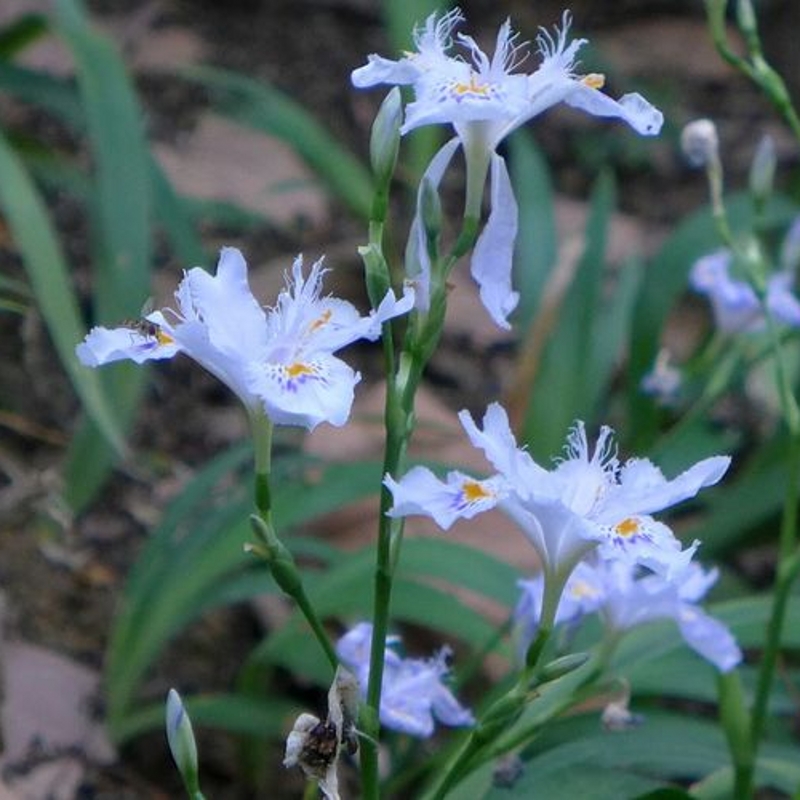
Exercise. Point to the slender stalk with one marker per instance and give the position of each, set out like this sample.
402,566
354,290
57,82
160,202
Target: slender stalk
403,378
505,711
388,529
787,570
268,546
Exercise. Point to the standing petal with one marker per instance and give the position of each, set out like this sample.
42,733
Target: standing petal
709,637
498,444
418,260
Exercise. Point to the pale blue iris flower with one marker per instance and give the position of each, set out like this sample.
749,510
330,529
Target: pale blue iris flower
588,501
414,694
625,597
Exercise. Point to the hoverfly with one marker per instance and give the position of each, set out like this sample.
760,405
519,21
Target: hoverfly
143,326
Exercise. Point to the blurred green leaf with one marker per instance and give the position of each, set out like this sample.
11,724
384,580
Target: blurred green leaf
196,558
263,108
53,94
666,746
567,387
121,161
753,496
344,591
537,245
122,235
49,277
174,215
235,713
20,32
589,782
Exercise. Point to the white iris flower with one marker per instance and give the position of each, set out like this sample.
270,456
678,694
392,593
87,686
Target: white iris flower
485,100
279,360
588,501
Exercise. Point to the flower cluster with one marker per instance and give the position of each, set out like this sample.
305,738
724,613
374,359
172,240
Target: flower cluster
625,597
279,361
413,691
736,306
485,99
588,502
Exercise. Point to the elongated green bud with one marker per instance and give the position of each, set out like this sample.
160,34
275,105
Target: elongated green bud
180,738
384,142
430,211
762,170
560,667
746,17
376,273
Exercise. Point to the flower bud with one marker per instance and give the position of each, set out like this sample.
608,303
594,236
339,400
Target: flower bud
180,737
700,143
430,210
762,170
746,16
560,667
384,141
790,250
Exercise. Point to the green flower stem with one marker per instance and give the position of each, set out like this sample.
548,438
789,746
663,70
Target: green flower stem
505,711
715,175
268,546
403,379
286,574
735,722
788,554
757,69
744,751
261,431
787,571
389,530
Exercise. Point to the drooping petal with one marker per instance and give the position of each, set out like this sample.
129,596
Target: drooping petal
493,256
709,637
560,537
379,70
642,540
632,108
458,497
106,345
233,372
304,393
782,304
